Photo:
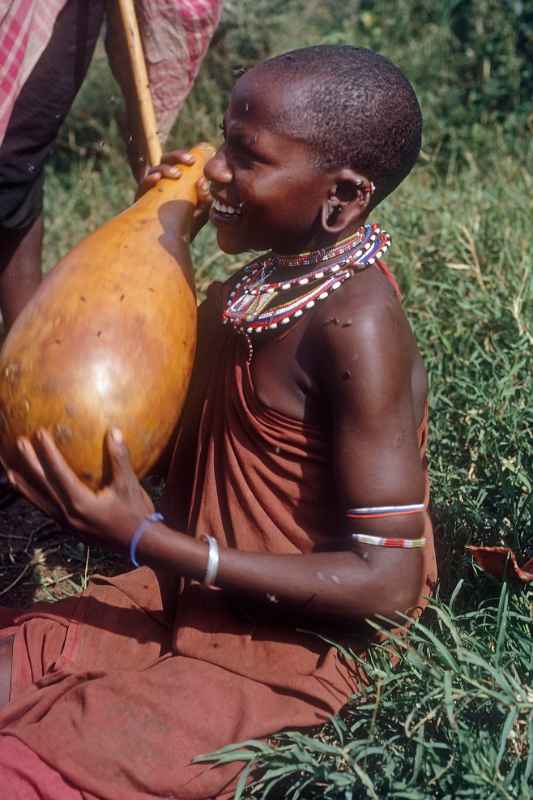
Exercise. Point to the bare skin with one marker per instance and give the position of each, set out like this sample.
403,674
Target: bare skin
20,269
366,377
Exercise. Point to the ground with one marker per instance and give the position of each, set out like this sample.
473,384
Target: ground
39,561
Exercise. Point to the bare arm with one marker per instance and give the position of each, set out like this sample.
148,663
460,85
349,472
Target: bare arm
366,379
376,461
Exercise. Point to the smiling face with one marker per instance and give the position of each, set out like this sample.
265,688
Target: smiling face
268,192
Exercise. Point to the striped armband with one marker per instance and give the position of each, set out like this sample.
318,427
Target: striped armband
382,512
388,541
385,512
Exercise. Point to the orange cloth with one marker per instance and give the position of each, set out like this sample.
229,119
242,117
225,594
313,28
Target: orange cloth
120,688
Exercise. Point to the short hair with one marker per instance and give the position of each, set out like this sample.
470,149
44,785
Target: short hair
355,108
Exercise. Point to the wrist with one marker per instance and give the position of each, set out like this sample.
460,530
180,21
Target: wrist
168,550
116,530
139,532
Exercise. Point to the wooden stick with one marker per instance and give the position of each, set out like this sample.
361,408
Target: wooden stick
140,79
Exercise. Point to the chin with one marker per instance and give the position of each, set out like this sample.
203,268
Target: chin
231,248
232,245
234,241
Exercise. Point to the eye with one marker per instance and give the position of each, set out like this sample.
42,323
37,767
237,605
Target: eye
245,157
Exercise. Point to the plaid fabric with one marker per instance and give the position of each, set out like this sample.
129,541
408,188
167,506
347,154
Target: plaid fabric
176,35
25,29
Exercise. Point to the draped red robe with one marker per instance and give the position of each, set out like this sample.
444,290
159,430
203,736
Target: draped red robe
118,689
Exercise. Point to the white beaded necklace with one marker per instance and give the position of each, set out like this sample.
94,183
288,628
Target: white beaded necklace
251,307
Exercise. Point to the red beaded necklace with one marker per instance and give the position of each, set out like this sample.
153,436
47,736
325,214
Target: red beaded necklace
251,306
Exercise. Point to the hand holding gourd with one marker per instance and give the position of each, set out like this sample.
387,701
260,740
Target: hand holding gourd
109,338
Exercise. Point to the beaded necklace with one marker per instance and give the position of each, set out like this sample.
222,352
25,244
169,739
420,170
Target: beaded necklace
251,307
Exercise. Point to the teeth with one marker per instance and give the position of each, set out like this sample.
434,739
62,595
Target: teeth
224,209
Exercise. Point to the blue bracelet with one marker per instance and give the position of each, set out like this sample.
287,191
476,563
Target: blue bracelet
136,538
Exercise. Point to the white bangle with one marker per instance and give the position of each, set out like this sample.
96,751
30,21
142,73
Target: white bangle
213,558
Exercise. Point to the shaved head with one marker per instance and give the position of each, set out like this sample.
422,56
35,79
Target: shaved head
352,106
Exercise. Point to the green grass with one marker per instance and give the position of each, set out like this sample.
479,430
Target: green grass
454,719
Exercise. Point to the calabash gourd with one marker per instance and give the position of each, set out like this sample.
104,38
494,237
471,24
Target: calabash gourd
109,338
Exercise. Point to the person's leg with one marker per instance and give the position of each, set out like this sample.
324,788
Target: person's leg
38,113
20,268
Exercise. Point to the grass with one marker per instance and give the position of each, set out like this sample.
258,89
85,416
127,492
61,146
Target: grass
454,719
466,274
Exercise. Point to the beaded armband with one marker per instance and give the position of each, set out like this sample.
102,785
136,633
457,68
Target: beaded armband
381,512
384,512
388,541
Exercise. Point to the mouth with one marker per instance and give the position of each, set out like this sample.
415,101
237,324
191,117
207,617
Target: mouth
224,212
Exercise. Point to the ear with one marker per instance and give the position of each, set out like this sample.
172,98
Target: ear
347,202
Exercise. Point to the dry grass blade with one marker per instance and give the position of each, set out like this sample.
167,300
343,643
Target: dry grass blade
17,580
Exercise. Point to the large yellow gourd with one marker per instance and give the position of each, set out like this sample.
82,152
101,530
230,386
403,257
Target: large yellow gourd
109,338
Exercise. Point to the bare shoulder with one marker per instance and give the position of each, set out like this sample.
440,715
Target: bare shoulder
367,314
364,343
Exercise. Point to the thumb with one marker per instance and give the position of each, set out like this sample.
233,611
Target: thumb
118,455
204,192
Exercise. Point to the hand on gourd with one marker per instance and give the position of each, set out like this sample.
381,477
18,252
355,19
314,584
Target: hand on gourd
169,168
109,515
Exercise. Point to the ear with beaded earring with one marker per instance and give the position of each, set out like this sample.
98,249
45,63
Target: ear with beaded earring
347,202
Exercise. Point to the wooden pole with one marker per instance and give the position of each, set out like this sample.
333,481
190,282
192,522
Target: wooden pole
140,80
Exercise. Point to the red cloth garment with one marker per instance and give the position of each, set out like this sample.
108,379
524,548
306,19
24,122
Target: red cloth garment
120,688
25,776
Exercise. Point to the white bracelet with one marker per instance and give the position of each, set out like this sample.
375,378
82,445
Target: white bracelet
213,558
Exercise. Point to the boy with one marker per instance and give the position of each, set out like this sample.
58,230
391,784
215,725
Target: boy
297,492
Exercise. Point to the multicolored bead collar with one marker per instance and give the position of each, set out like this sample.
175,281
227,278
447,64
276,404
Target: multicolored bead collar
251,306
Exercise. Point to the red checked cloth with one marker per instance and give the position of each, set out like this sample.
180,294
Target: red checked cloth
175,33
25,29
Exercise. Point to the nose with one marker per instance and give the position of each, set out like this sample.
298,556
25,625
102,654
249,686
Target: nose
217,169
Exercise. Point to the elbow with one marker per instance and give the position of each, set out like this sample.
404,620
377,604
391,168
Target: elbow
398,593
402,603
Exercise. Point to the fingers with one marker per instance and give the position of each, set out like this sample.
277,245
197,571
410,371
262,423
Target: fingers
178,157
168,168
149,181
124,482
33,495
154,175
121,469
50,472
30,459
203,187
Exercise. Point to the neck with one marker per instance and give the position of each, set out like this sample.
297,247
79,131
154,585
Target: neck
321,239
325,254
